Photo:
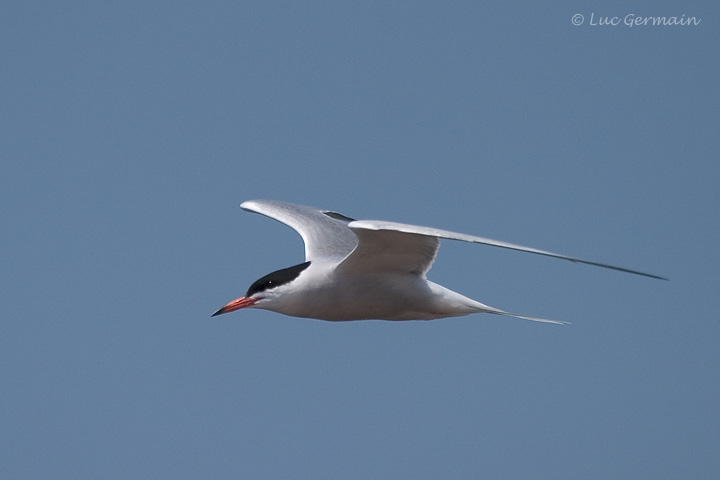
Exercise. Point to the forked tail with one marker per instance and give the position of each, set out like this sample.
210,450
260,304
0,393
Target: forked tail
534,319
495,311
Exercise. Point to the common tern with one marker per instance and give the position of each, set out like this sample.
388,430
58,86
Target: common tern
366,269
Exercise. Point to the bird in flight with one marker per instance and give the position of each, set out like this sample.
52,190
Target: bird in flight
366,269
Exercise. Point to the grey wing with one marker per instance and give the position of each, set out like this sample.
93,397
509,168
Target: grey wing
375,225
325,233
390,251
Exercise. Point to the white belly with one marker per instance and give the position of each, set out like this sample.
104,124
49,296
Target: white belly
379,297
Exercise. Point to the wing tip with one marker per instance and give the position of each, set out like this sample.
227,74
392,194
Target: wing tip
250,205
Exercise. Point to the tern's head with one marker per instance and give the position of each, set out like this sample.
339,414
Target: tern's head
261,293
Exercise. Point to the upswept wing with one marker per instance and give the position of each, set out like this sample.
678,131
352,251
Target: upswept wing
365,228
390,251
326,234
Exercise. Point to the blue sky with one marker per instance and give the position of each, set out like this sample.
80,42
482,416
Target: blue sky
132,131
